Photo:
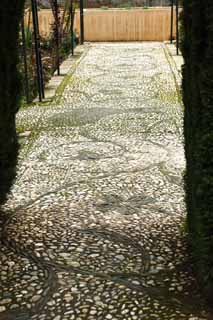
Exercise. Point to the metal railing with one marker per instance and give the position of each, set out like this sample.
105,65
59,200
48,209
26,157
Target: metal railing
60,44
175,3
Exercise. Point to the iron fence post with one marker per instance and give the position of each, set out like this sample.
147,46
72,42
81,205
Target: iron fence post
82,20
72,24
57,37
37,50
177,27
24,53
172,20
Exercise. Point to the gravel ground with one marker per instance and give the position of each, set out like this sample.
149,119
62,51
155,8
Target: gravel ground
94,226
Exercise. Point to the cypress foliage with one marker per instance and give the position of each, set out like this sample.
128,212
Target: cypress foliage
198,130
10,15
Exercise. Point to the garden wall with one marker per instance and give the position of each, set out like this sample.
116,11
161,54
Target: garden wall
151,24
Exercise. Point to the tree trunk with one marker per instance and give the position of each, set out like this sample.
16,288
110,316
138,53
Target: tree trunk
198,130
10,15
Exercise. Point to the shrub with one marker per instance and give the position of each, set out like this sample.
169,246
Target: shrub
10,15
198,130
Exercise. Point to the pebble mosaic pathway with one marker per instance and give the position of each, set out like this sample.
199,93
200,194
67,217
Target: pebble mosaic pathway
94,226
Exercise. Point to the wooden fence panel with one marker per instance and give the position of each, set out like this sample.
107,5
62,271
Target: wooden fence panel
127,25
118,25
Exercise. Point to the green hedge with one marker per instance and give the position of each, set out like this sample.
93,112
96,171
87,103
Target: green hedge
10,14
198,129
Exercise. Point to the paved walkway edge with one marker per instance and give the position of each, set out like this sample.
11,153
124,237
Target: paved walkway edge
176,63
56,85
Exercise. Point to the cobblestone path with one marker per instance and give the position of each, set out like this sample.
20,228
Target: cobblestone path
94,225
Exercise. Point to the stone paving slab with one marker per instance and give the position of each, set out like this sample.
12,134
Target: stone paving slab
94,226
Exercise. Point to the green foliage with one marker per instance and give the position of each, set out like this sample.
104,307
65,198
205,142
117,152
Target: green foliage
198,130
29,37
10,15
66,45
48,52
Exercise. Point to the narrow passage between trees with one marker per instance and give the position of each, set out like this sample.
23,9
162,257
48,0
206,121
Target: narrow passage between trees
95,226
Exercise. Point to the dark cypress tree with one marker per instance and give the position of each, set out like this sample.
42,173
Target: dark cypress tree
10,15
198,130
